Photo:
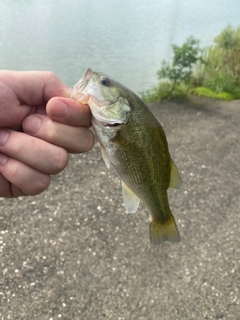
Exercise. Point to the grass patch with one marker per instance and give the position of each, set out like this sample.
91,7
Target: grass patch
206,92
161,92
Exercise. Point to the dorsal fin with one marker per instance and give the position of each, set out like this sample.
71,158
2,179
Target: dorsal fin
175,178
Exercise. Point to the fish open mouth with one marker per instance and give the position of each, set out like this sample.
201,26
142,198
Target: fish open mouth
112,124
104,123
78,88
86,92
82,83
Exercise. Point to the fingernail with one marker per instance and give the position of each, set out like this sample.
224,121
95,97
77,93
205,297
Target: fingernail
59,111
3,159
3,136
32,124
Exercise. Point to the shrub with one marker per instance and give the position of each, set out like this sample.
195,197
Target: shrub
180,70
222,82
161,92
180,93
202,91
158,93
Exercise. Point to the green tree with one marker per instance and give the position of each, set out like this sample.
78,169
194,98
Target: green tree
222,72
184,57
228,41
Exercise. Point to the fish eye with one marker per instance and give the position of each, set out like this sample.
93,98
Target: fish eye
105,82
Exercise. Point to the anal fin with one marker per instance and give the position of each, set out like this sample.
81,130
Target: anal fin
131,201
175,178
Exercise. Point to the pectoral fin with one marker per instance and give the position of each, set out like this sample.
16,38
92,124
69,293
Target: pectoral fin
131,201
105,156
175,178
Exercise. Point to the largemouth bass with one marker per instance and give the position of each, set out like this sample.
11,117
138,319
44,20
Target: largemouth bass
133,142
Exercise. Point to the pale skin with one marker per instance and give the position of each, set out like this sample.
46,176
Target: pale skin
39,125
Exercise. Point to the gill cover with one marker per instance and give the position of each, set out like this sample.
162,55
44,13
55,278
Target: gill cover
114,113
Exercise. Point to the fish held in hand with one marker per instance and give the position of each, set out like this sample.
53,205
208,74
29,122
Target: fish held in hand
133,142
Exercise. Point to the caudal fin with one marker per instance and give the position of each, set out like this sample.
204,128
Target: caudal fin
161,232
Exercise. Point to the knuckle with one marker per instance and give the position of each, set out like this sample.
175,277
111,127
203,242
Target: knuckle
50,75
60,160
51,132
90,141
14,169
87,141
41,184
83,143
5,187
28,180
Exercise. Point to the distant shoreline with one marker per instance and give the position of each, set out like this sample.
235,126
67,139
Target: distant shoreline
201,102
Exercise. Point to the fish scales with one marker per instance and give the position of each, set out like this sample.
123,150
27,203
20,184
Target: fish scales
138,160
134,143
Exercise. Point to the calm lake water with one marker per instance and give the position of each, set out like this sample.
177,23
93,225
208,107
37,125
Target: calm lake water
126,39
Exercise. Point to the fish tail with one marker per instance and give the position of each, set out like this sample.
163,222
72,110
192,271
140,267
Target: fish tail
161,232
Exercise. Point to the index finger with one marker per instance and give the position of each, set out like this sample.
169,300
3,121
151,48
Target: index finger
34,87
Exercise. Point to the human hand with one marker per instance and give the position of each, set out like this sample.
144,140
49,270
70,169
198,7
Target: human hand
39,125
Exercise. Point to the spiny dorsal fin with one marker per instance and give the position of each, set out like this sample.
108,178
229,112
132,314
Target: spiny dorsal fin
175,178
131,201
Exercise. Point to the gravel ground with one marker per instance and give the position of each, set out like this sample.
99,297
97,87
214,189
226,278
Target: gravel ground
73,253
